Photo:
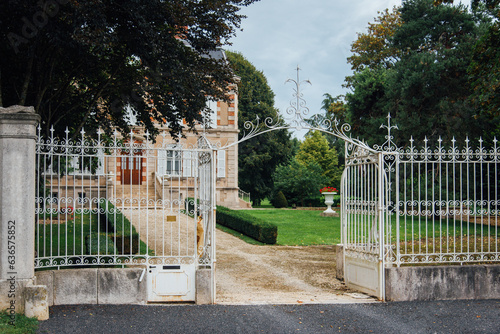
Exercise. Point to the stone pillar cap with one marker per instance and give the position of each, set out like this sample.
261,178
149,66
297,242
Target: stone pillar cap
17,109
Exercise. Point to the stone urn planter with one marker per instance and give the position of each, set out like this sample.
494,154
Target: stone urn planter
328,201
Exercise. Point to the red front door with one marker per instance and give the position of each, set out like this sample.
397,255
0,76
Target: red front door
131,169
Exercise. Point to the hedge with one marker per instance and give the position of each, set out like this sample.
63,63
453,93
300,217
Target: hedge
115,220
251,226
99,248
121,230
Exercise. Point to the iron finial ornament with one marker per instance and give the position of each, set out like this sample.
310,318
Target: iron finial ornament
297,111
298,107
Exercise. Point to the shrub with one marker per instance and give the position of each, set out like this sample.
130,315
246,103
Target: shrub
113,221
253,227
280,200
126,244
99,244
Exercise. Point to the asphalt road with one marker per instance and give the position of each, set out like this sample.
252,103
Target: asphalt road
402,317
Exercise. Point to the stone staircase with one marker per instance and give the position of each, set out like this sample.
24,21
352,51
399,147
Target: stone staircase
136,195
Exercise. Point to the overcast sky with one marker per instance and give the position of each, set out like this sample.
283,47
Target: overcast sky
316,35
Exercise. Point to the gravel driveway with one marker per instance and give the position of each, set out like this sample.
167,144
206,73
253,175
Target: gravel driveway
250,274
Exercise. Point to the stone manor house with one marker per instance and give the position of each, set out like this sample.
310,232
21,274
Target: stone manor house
166,172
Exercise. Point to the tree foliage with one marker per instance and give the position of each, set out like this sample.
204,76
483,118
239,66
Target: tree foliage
366,104
484,71
259,156
428,86
425,84
314,166
300,182
81,62
335,108
315,148
373,49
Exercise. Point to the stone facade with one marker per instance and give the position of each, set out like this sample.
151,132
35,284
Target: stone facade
143,172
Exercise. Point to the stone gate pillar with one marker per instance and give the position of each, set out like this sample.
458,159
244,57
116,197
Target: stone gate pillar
17,210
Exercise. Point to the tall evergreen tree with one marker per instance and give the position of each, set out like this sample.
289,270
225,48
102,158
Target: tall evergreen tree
484,71
259,156
425,86
427,89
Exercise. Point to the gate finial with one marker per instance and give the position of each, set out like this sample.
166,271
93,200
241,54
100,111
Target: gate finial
298,107
389,145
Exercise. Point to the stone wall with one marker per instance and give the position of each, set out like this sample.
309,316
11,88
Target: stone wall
442,282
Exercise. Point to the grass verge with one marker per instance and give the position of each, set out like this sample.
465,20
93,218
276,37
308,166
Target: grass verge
19,325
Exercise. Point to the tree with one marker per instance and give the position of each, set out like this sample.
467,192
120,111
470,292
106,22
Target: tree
366,104
373,56
300,182
80,63
425,85
373,49
484,71
315,148
427,89
259,156
336,108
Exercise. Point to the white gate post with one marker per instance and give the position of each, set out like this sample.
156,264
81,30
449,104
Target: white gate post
17,214
381,229
205,277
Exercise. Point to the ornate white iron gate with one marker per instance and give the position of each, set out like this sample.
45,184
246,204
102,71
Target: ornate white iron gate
363,214
127,202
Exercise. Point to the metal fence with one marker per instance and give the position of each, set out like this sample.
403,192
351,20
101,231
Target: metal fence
445,203
418,205
123,201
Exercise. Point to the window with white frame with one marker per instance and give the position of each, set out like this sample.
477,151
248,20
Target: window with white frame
77,165
221,163
170,163
173,165
183,163
187,164
212,105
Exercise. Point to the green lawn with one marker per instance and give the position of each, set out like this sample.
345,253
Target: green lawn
420,235
65,238
265,204
301,227
69,238
420,227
